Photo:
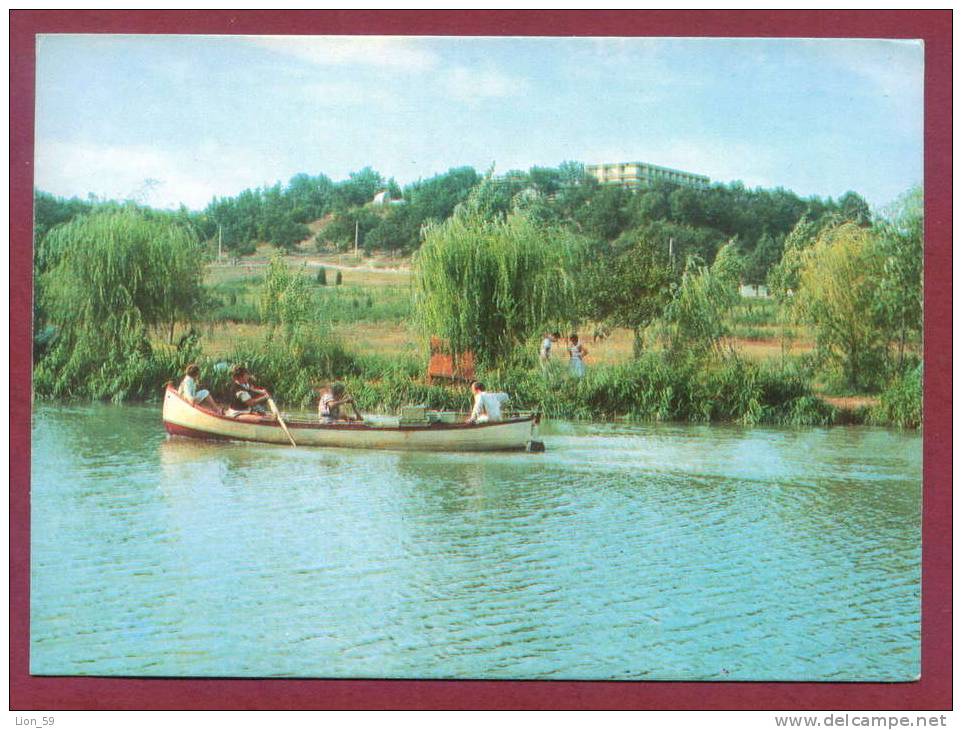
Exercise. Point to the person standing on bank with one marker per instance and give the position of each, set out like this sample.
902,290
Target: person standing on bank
487,406
546,343
545,352
577,353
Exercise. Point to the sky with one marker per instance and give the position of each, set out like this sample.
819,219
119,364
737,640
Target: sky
171,120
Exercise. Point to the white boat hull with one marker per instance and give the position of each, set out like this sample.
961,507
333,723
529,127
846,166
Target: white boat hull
183,419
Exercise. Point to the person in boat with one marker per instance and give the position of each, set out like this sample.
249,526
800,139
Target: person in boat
247,401
335,404
188,390
487,406
577,353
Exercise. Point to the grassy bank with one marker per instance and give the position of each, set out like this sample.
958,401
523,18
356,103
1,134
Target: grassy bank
652,388
368,343
648,389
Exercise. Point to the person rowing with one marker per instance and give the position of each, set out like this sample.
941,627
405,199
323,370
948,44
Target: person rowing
248,402
333,399
487,406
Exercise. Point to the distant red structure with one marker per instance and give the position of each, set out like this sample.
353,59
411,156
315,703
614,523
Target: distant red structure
443,366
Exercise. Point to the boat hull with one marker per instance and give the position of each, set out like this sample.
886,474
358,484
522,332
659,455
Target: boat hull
183,419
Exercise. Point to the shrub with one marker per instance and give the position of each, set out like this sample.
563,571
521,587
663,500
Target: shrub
286,298
696,319
900,403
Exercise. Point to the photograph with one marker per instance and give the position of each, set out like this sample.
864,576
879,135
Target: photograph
477,357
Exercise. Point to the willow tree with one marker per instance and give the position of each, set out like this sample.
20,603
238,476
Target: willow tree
109,278
696,319
899,301
837,292
487,283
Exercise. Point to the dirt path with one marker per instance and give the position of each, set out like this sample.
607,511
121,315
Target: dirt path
343,267
850,402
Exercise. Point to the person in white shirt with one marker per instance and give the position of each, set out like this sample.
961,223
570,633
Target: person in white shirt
487,406
545,347
545,352
188,389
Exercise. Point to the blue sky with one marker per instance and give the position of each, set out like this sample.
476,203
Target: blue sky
180,119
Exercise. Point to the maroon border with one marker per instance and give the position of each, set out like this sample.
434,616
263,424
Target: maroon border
933,691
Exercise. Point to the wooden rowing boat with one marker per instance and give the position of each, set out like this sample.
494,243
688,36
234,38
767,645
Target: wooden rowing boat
181,418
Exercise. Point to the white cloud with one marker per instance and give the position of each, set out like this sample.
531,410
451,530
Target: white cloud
724,161
391,52
458,84
343,93
893,68
149,175
461,83
473,86
645,65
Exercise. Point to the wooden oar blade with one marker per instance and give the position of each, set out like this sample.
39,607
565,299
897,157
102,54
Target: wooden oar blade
280,420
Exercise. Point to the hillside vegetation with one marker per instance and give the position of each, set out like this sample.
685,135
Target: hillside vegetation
651,279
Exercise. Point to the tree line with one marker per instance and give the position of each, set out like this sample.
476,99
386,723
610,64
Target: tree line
693,221
489,281
497,259
113,279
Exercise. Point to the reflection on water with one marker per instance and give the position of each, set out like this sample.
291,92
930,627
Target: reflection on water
624,552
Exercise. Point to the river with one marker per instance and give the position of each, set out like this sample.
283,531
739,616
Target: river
634,552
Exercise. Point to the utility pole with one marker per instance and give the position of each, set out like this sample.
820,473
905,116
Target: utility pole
220,241
356,224
671,251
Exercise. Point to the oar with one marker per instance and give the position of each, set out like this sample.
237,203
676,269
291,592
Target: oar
273,407
357,413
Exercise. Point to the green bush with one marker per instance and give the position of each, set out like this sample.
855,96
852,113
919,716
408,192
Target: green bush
900,404
652,389
291,368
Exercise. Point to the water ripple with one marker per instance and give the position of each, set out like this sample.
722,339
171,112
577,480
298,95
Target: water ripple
624,552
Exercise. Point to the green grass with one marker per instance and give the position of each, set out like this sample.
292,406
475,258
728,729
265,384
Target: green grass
353,303
653,388
755,312
376,308
235,299
901,402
